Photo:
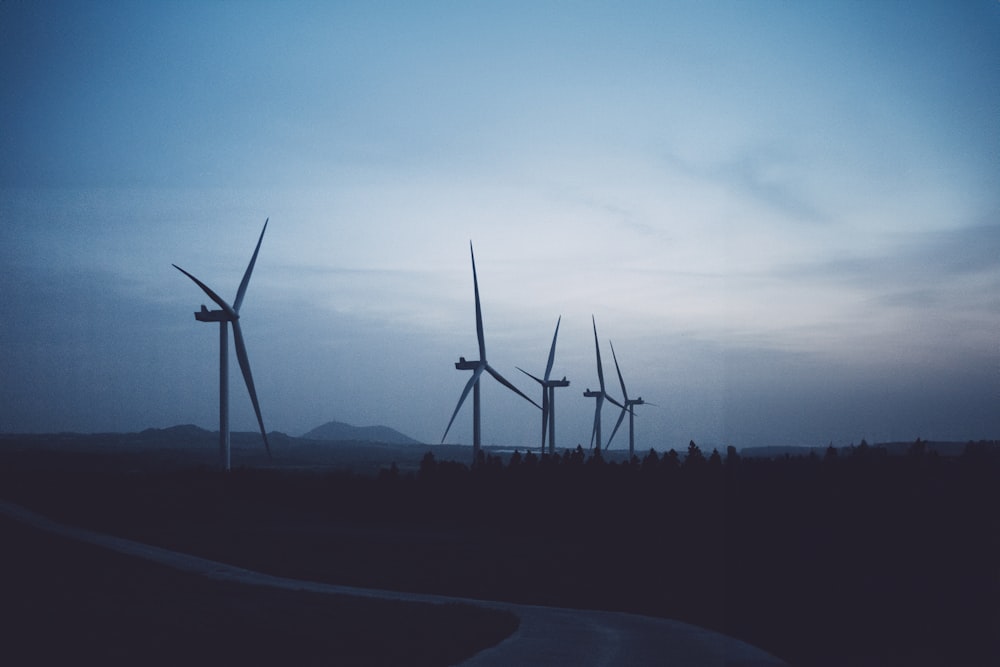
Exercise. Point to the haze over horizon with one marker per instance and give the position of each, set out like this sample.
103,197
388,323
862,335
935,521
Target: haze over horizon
786,217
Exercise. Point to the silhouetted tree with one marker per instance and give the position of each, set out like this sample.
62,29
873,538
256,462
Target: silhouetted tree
671,460
450,470
428,465
596,459
979,452
715,459
389,474
530,460
694,456
651,460
732,457
515,460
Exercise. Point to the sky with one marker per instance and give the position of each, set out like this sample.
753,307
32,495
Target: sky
784,216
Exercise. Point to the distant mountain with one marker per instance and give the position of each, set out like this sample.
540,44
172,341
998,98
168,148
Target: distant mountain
337,431
179,431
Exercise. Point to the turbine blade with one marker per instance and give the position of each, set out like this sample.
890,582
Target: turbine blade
620,379
502,380
246,276
538,380
465,392
597,347
211,295
552,350
241,356
613,401
621,418
479,310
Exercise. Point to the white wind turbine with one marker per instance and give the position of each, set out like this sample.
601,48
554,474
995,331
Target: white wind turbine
477,367
226,315
628,407
601,395
549,394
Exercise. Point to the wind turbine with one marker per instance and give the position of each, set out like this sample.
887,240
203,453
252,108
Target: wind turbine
599,395
628,407
230,314
549,394
477,367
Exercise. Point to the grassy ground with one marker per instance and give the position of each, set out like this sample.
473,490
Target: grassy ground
859,560
67,602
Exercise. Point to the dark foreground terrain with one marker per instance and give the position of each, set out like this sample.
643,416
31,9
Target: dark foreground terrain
852,558
65,602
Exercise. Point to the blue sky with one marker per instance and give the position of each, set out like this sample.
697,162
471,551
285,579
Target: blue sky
786,216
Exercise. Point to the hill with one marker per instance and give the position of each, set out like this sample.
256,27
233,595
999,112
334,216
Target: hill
338,431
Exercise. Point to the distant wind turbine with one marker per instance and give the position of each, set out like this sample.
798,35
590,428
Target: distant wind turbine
601,395
628,407
231,314
477,367
549,394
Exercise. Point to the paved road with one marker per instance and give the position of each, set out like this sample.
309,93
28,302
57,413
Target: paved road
547,635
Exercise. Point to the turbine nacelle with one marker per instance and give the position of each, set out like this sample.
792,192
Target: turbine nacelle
464,365
206,315
545,383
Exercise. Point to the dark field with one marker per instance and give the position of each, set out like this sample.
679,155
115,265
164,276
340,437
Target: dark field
858,559
66,602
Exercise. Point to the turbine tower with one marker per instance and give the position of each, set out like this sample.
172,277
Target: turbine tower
600,395
628,407
549,395
226,315
477,367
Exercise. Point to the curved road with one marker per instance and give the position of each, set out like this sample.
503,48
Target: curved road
547,635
